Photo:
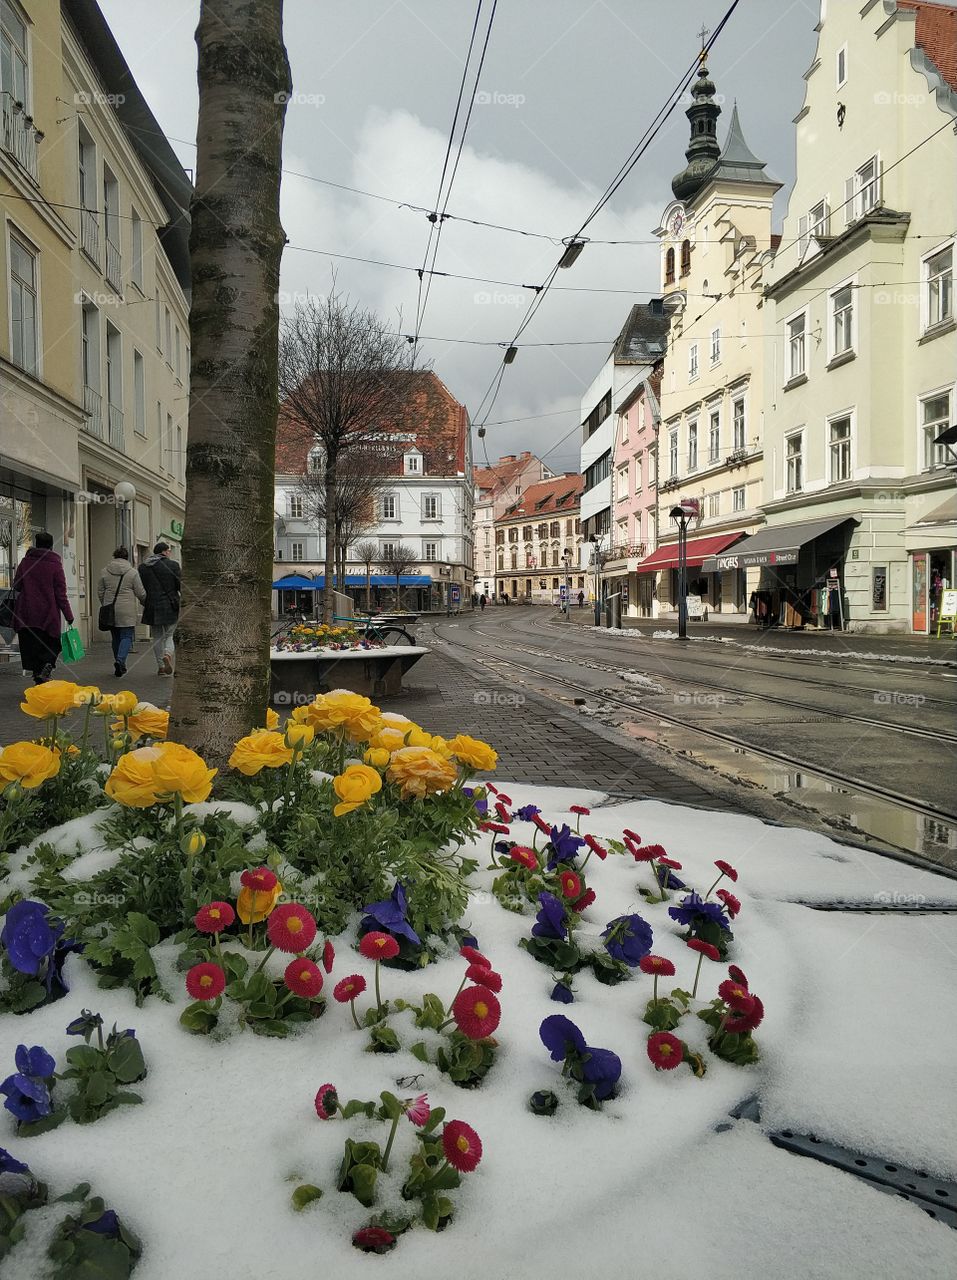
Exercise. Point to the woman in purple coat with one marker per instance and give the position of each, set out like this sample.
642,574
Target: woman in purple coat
40,597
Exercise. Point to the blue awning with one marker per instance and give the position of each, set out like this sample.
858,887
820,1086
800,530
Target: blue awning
295,582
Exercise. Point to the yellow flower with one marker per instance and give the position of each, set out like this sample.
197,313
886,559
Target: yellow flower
106,705
419,771
299,735
417,737
341,709
261,749
473,752
132,782
180,771
254,905
377,757
272,718
54,698
354,786
125,702
85,694
440,746
387,739
194,843
28,763
147,721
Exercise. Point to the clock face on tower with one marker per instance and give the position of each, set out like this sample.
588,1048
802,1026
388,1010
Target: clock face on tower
677,222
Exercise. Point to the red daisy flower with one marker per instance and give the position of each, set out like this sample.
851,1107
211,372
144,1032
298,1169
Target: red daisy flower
730,901
494,826
502,811
474,956
598,850
738,975
477,1012
579,808
213,917
705,948
261,880
747,1021
571,884
657,964
647,853
373,1240
541,823
291,927
587,898
735,996
328,956
462,1146
349,988
327,1101
632,835
483,977
378,946
522,854
303,978
726,869
669,862
490,786
665,1050
205,981
503,797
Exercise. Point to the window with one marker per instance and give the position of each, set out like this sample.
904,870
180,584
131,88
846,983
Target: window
315,460
693,360
296,506
569,528
740,427
169,444
839,448
24,311
487,534
621,482
542,531
431,508
737,498
670,267
114,368
159,323
514,565
139,394
168,336
297,551
387,550
714,436
862,190
14,67
685,257
111,204
389,509
136,238
178,348
555,529
794,462
935,418
939,276
430,551
526,533
513,535
499,537
413,464
714,504
86,171
715,345
796,354
180,454
673,453
841,66
816,224
842,321
599,470
692,446
555,557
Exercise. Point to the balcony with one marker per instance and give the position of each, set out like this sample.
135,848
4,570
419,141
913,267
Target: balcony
93,404
20,137
116,426
114,265
624,551
90,234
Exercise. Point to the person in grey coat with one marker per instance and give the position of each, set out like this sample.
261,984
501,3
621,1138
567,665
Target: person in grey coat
120,586
160,575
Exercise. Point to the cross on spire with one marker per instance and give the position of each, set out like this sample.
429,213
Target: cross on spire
704,33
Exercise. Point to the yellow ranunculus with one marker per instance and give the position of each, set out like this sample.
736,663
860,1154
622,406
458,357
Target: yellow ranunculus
440,746
354,786
418,737
261,749
180,771
125,702
54,698
132,782
106,705
473,752
253,905
393,720
299,735
272,718
147,721
419,771
360,717
388,738
377,757
28,763
85,694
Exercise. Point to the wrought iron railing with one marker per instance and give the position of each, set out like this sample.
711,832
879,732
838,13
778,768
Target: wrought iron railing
90,234
19,136
93,404
116,426
114,265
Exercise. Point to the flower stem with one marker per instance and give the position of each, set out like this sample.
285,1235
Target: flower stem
458,993
352,1006
697,975
388,1145
263,960
718,881
655,996
86,726
378,996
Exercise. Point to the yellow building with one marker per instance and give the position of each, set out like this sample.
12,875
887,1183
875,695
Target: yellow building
94,354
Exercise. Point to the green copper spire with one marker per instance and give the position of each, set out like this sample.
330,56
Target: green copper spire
703,150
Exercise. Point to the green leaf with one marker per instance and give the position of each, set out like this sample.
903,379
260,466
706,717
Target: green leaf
661,1015
420,1051
84,1057
305,1195
383,1039
354,1107
363,1179
391,1106
97,1088
143,928
126,1060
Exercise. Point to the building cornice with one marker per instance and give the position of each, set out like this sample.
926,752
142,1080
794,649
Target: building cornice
42,391
884,226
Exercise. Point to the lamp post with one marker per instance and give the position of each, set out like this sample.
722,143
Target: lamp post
682,515
125,494
567,564
596,560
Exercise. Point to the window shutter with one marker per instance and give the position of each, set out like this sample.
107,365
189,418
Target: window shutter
849,211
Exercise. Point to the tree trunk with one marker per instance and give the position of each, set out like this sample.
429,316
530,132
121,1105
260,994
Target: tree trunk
369,588
236,243
332,480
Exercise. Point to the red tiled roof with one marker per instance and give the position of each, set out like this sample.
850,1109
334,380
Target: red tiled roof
502,474
545,498
936,34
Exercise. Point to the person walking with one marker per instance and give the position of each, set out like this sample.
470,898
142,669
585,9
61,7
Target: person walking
482,602
121,589
39,587
581,599
161,577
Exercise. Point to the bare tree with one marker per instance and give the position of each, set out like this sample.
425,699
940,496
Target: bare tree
343,377
236,243
367,552
396,561
362,474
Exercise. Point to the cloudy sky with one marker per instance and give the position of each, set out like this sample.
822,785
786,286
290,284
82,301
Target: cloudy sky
568,88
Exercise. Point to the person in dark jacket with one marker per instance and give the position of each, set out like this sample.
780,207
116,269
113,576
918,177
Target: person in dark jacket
161,576
40,598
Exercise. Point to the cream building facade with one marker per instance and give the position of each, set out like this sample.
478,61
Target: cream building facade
94,346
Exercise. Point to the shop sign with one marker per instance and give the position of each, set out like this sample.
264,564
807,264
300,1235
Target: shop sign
756,559
695,606
919,593
879,588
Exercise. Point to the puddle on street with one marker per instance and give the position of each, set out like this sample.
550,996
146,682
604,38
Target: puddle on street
931,838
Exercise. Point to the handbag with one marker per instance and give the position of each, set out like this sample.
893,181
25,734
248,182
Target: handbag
71,646
106,620
7,605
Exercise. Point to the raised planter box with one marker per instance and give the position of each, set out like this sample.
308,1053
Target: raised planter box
297,677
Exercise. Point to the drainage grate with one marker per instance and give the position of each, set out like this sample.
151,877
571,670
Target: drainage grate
900,907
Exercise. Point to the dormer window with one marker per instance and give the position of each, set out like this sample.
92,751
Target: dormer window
413,463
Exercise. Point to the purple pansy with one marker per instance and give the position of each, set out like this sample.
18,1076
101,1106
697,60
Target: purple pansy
628,938
602,1068
693,911
552,922
562,993
560,1036
565,845
389,916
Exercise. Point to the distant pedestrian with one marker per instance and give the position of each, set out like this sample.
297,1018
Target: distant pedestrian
482,602
581,599
161,578
505,597
40,597
118,592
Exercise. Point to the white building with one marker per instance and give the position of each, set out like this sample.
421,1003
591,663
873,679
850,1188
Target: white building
497,486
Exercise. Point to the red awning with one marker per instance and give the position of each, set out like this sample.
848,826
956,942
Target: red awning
666,557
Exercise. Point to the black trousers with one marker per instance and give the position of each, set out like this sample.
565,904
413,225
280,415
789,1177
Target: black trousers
37,650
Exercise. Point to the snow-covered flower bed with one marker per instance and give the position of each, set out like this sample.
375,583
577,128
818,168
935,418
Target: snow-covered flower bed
322,638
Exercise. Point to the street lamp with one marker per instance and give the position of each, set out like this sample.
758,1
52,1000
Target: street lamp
682,515
567,564
124,491
596,560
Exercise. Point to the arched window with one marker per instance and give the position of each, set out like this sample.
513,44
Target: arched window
670,267
685,257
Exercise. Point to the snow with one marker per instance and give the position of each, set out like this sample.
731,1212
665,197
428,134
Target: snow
857,1044
385,651
642,681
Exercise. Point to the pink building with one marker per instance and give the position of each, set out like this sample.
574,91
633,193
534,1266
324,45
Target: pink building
634,500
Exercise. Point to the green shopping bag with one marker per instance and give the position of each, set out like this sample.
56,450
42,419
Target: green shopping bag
71,646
